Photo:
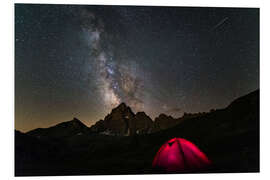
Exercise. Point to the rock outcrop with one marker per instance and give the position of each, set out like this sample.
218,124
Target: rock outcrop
164,122
122,121
140,124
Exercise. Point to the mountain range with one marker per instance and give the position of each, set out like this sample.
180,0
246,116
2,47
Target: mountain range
126,143
120,122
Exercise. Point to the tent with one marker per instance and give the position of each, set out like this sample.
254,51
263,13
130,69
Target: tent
180,155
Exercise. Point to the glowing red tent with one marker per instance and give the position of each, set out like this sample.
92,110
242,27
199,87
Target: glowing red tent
180,155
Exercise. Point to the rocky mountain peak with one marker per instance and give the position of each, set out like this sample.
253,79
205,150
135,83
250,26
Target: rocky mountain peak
122,121
123,110
121,106
64,129
74,123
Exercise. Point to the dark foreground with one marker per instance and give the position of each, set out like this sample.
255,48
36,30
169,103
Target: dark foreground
229,137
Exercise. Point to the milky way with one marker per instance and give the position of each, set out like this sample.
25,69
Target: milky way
82,61
116,82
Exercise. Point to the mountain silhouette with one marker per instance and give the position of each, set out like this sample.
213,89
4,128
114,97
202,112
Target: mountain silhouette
117,122
64,129
122,121
126,143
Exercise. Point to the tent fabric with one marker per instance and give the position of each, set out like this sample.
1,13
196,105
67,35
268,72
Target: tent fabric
180,155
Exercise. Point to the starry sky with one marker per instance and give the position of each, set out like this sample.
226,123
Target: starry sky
82,61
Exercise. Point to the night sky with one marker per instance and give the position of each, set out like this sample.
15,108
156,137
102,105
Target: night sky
82,61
